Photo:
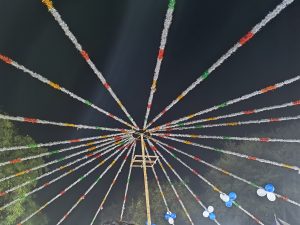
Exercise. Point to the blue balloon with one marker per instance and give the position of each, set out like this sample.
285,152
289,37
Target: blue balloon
212,216
167,216
270,188
232,195
229,204
173,215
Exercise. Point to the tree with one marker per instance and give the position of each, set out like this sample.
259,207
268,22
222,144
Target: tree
9,136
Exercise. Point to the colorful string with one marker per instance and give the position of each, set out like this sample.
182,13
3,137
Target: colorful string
60,88
85,56
225,172
197,198
240,155
39,121
230,52
160,57
233,101
244,112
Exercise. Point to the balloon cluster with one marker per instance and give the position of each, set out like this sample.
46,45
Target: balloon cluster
228,199
267,191
209,213
170,217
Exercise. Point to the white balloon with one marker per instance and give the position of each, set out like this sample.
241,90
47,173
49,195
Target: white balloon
271,196
224,197
206,214
171,221
261,192
210,209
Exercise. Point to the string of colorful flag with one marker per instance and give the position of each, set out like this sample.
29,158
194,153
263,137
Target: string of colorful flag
240,155
54,143
237,123
78,181
197,198
127,184
179,122
231,115
94,155
89,150
61,124
111,185
116,144
175,191
158,183
160,57
219,62
48,183
214,188
223,171
60,88
54,152
84,54
229,138
84,195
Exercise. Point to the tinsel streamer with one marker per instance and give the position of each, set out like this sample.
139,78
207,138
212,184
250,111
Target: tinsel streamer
197,198
86,57
47,184
225,172
231,115
230,52
160,57
111,186
214,188
71,186
60,88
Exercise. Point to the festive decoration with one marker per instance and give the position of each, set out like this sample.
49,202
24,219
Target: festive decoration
259,139
109,148
39,121
62,89
228,199
94,184
94,155
45,185
225,172
209,213
230,52
75,183
215,188
197,198
237,123
244,112
161,52
240,155
86,57
267,191
170,217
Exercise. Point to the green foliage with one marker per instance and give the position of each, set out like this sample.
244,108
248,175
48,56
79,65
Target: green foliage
9,136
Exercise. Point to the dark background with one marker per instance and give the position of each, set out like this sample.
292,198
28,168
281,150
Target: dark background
122,38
